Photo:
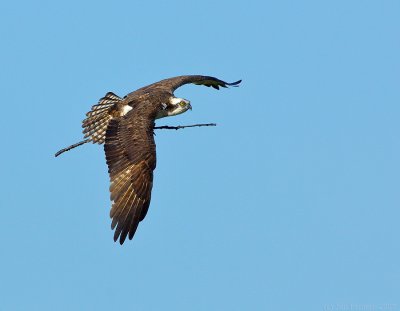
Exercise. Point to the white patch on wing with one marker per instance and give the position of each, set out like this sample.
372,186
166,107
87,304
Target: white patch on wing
126,109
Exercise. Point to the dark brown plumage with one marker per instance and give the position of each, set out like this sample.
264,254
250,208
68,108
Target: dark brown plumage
126,126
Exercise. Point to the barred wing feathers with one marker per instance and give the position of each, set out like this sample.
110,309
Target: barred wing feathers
131,158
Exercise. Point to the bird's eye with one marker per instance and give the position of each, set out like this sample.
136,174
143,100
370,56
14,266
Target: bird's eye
182,104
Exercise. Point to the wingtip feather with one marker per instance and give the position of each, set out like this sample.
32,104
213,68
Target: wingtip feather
235,84
122,239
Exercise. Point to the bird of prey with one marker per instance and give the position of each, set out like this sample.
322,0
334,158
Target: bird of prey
125,126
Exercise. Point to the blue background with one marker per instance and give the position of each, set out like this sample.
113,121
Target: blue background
290,203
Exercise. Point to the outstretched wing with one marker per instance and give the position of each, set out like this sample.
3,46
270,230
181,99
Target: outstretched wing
131,158
95,125
171,84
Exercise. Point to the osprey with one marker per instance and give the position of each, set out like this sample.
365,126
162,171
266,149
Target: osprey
125,126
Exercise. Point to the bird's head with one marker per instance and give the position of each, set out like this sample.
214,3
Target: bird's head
178,106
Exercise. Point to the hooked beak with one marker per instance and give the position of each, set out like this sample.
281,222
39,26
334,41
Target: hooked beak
190,106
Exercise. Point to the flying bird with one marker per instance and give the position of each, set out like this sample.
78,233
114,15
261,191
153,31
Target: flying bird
125,126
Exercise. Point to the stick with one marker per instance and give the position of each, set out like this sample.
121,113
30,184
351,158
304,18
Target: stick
164,127
167,127
71,147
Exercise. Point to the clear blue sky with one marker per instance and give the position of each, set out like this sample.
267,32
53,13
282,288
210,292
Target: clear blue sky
291,203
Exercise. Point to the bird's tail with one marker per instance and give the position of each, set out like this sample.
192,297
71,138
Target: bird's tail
97,119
